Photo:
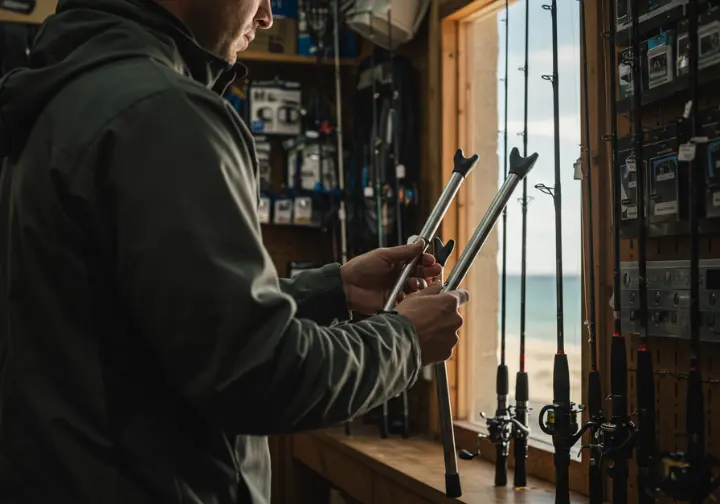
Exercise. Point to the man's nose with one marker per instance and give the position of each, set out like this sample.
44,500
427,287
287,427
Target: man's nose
264,16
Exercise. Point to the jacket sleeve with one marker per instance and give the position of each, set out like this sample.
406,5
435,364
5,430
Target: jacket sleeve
202,290
319,295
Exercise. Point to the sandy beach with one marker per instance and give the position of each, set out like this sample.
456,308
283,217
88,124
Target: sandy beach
539,356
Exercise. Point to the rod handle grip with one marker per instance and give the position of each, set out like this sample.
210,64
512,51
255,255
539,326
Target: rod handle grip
596,486
562,476
500,467
520,454
452,486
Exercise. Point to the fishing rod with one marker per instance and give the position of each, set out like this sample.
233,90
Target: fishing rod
559,419
519,168
393,139
462,168
596,417
616,436
342,214
645,383
689,476
377,190
500,426
521,429
388,147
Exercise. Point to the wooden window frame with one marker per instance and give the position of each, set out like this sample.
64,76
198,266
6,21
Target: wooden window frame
448,77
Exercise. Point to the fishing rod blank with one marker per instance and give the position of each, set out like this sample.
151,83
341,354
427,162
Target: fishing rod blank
596,484
342,214
645,381
519,168
521,431
559,420
463,167
617,435
500,426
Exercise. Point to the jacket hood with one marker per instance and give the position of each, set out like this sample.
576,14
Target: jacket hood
86,34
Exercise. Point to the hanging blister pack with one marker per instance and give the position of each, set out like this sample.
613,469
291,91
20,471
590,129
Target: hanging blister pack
265,209
625,74
660,61
622,11
275,107
263,150
304,213
711,129
665,190
305,173
283,211
708,41
628,187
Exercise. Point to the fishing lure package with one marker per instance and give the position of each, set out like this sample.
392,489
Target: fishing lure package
666,186
275,107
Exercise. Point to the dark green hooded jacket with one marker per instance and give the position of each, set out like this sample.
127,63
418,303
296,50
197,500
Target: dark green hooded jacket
146,342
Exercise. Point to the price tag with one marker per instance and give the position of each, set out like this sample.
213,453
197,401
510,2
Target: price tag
400,171
369,192
686,153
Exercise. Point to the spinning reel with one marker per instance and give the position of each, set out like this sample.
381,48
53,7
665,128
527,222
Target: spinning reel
683,479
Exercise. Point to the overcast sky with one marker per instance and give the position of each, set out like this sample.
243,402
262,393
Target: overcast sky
541,224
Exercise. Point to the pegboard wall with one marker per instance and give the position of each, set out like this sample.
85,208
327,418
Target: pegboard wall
665,94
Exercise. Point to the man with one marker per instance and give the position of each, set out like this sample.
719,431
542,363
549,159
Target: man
147,344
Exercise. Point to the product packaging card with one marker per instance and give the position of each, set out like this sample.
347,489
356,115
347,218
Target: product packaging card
275,108
660,62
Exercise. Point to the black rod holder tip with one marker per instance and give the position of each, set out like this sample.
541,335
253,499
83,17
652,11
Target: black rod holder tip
442,252
463,165
452,486
520,166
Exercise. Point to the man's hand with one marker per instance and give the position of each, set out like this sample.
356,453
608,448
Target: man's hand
436,319
369,278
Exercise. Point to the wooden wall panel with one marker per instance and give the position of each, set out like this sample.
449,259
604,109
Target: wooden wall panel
670,356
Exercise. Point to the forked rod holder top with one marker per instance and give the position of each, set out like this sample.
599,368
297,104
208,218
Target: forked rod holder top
519,168
463,167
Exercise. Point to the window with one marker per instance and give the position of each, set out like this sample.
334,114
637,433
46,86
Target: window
481,101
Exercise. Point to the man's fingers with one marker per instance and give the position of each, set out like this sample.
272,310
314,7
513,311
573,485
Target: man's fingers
430,290
403,253
428,259
415,284
428,271
462,296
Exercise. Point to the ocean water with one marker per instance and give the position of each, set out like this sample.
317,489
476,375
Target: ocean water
541,308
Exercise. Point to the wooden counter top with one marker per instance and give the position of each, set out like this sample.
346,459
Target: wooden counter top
374,470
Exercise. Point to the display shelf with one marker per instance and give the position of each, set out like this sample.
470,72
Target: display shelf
291,59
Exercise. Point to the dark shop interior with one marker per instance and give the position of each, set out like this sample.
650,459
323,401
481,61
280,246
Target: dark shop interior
359,251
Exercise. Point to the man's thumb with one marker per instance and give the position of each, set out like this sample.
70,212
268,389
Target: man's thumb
404,253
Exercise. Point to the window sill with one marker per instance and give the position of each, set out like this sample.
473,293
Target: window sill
411,470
